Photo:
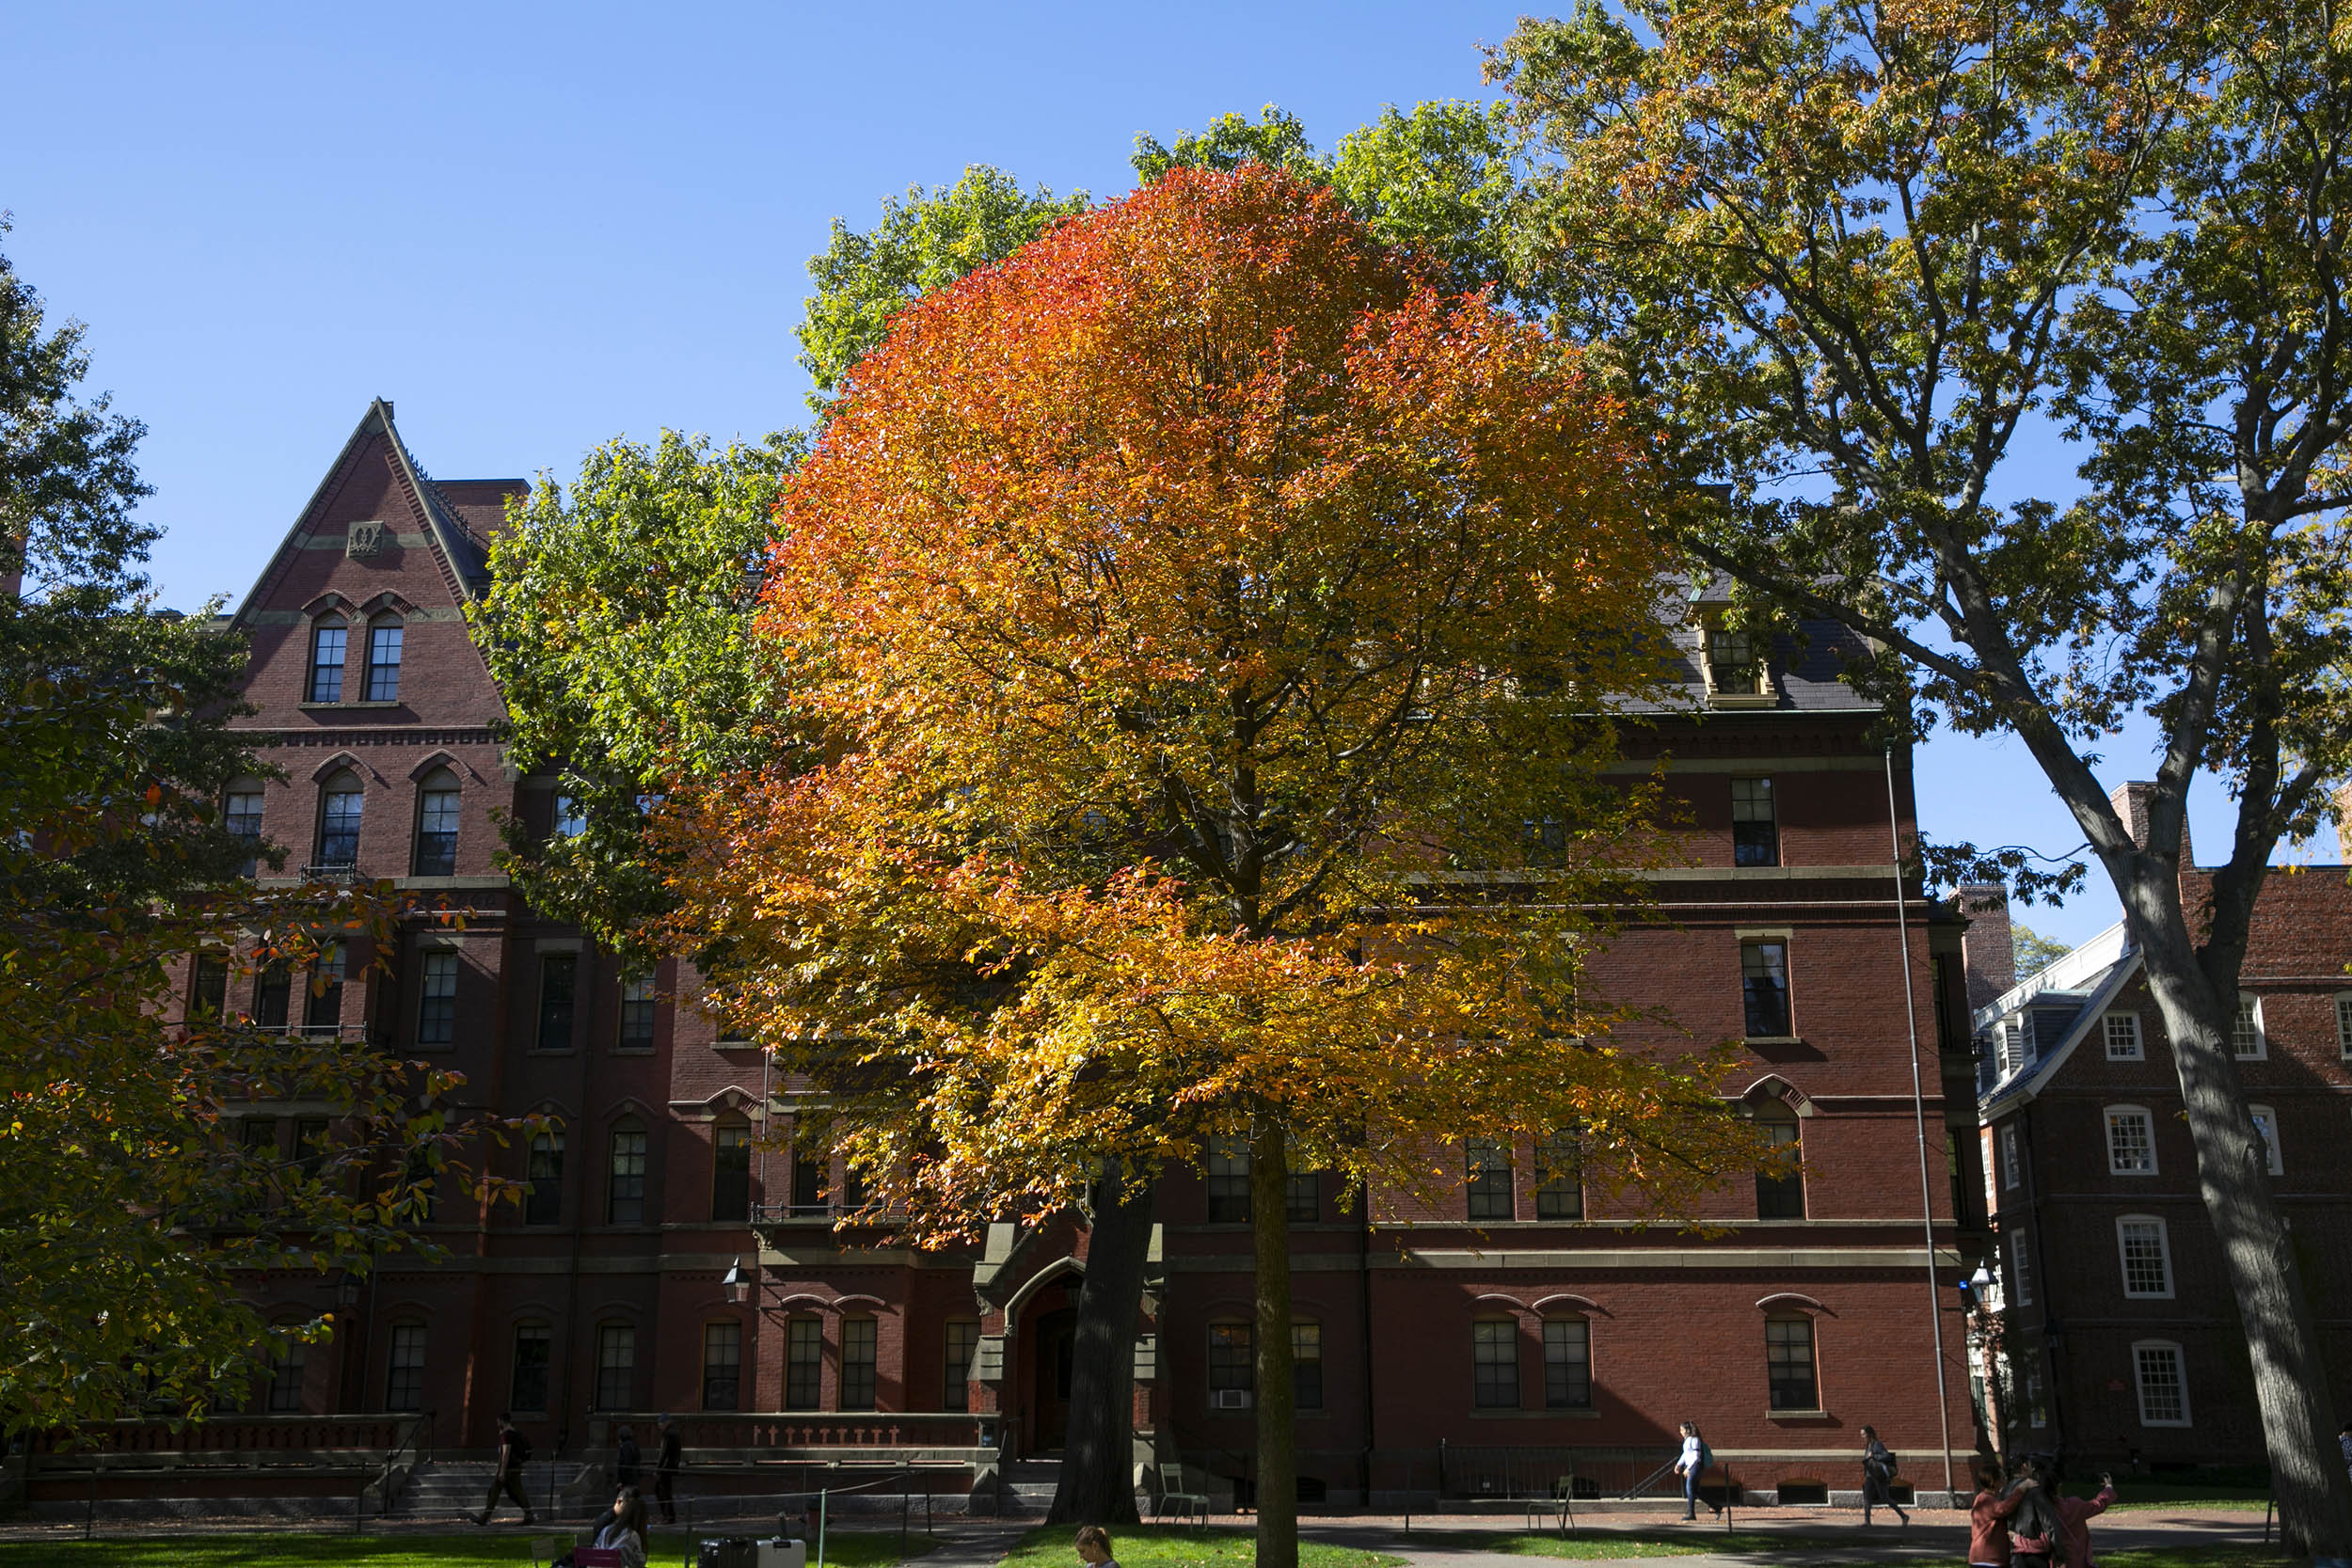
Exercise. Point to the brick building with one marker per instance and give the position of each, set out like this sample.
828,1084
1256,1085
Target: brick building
2124,1339
666,1260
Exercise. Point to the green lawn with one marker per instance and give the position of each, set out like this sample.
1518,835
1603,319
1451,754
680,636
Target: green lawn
1172,1546
859,1549
2196,1557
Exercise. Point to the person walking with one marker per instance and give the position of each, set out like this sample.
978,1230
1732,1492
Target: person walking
628,1460
1989,1516
2074,1516
1878,1476
665,1466
513,1452
1697,1456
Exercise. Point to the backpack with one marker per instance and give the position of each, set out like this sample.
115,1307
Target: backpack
1706,1456
1884,1463
522,1448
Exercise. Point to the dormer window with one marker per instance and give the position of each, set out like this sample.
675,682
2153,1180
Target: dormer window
326,662
1732,663
384,640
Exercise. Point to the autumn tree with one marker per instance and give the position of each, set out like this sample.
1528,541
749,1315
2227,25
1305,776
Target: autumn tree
1202,604
1849,254
129,1204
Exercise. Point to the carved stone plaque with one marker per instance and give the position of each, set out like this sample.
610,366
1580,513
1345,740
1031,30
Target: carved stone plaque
365,539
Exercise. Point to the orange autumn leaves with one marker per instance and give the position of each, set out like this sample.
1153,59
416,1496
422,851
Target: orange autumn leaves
1202,608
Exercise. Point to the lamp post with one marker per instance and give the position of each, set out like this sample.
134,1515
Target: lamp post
1984,1327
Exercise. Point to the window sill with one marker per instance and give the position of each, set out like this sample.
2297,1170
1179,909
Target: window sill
332,707
1796,1416
1545,1414
1771,1040
1742,699
633,1050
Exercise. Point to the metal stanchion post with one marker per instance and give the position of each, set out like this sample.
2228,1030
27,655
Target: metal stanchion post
820,1527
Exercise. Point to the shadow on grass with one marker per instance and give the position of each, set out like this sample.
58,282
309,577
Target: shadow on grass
1175,1546
506,1548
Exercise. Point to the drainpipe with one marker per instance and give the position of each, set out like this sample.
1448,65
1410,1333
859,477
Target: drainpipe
1363,1285
1919,1116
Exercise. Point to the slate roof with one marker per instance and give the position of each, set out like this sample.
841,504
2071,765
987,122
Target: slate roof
2067,999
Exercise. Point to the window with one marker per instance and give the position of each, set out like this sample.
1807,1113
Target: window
2247,1041
2012,1046
2267,1123
1788,1364
1731,664
437,1000
2122,1033
1307,1366
809,1186
285,1380
543,1203
570,819
1567,1364
1302,1195
731,1174
327,663
1780,1198
617,1365
804,1362
955,1379
1755,831
404,1380
340,807
384,662
2147,1261
1229,1181
1560,1177
1764,988
2343,1023
637,1004
558,978
273,990
310,1146
2010,1173
323,1009
722,1367
2131,1141
529,1390
1231,1363
1487,1164
857,1363
624,1202
259,1134
208,985
2019,1275
437,827
1494,1364
243,819
2163,1385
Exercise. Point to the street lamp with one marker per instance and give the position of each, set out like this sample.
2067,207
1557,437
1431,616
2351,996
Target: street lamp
737,1283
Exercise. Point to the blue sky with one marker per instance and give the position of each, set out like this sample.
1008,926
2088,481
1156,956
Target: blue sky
536,226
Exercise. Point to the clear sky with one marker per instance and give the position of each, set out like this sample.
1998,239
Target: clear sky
535,227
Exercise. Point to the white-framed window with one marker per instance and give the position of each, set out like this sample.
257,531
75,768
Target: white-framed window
2343,1023
2163,1382
2019,1275
2131,1141
2265,1122
2122,1033
2246,1041
2147,1258
2011,1170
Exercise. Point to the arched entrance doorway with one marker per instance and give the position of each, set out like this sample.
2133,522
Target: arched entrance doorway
1047,1333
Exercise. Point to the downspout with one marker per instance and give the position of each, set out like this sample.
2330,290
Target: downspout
1363,1287
1919,1117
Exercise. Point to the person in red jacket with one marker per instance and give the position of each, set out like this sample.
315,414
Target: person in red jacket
1988,1518
2074,1516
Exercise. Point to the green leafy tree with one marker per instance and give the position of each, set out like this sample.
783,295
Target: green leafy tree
129,1203
1276,138
1850,253
923,242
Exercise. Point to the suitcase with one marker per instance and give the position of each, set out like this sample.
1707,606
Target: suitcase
734,1551
781,1553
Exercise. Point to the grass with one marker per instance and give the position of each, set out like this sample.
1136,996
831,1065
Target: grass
1173,1546
2196,1556
508,1550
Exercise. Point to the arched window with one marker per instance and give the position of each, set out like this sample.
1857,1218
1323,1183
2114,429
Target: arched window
1779,1198
241,814
404,1377
617,1365
1494,1364
624,1201
1567,1364
731,1171
1791,1380
384,637
544,1203
1233,1366
437,826
340,801
723,1365
804,1362
328,651
285,1380
533,1347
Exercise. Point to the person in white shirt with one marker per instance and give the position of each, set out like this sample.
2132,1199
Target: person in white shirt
1696,1458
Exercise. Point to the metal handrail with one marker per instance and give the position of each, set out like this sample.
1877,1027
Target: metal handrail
418,1425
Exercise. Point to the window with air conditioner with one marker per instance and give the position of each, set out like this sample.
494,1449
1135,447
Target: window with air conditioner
1233,1369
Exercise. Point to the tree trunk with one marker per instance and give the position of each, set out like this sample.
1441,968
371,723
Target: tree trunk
2232,1176
1098,1483
1278,1456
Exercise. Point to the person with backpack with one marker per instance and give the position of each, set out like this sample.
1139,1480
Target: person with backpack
1697,1456
1878,1476
1989,1516
513,1452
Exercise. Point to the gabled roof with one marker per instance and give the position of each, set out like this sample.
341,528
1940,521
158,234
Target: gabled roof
2088,978
462,550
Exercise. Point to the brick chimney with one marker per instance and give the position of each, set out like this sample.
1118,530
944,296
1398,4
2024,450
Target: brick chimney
1988,951
2131,801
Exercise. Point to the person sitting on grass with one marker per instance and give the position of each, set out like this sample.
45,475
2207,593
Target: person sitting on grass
1094,1548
